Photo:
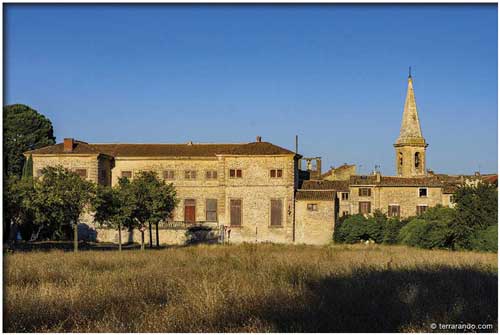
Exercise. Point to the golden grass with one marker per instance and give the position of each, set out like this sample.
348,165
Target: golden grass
248,288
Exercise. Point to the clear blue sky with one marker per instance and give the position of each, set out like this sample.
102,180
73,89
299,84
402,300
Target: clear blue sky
333,74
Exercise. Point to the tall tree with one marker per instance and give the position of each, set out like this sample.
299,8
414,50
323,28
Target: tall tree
113,207
476,209
23,129
60,197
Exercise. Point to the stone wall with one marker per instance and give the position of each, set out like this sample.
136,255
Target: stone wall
406,197
70,162
315,227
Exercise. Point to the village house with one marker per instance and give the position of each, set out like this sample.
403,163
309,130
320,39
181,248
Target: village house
258,191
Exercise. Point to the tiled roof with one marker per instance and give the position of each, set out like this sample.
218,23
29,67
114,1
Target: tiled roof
336,185
174,150
315,195
450,188
395,181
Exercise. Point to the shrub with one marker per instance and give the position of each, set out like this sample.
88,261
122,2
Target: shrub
355,228
485,239
391,230
425,234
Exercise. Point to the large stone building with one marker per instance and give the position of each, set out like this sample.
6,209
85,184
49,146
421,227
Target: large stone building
259,192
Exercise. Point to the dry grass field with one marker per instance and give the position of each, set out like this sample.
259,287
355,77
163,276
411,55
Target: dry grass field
249,288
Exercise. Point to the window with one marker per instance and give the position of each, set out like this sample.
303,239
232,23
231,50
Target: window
345,213
276,212
168,174
421,209
276,173
393,211
235,210
312,207
81,172
345,196
211,210
452,199
211,174
235,173
365,192
365,207
126,174
190,174
422,192
417,160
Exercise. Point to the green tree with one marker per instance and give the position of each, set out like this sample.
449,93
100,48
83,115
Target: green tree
113,207
391,230
28,168
23,129
60,197
476,209
154,202
17,195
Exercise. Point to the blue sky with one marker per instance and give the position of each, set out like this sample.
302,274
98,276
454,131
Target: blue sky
333,74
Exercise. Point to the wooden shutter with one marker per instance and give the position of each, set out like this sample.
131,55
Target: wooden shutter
238,173
273,173
211,210
235,206
232,173
276,212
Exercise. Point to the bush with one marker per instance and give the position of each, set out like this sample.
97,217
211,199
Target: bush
355,228
425,234
485,239
391,230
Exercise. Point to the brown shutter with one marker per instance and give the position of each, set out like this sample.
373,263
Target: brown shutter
235,205
276,212
273,173
369,192
232,173
211,210
359,192
280,173
238,173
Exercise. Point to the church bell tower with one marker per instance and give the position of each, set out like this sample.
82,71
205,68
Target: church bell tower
410,145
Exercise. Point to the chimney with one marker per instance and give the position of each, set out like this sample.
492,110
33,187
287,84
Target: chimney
68,144
378,176
258,139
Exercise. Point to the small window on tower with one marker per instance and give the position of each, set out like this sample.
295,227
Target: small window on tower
417,160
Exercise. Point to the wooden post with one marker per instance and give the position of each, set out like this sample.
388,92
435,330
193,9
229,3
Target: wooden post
75,236
119,236
150,236
142,240
157,236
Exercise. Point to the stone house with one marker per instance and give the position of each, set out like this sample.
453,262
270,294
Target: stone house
247,191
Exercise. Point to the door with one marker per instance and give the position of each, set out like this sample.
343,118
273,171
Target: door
189,211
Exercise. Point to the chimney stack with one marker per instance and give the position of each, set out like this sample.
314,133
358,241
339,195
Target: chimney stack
259,139
68,144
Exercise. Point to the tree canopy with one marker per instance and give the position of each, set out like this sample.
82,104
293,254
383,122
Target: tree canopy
23,129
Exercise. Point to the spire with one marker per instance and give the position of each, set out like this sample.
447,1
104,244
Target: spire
410,132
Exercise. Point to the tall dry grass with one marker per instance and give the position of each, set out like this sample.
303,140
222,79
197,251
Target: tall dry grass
249,288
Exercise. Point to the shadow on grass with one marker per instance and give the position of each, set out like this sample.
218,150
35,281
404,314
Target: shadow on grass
379,301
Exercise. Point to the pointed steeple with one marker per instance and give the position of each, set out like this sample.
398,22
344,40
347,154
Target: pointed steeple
410,125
